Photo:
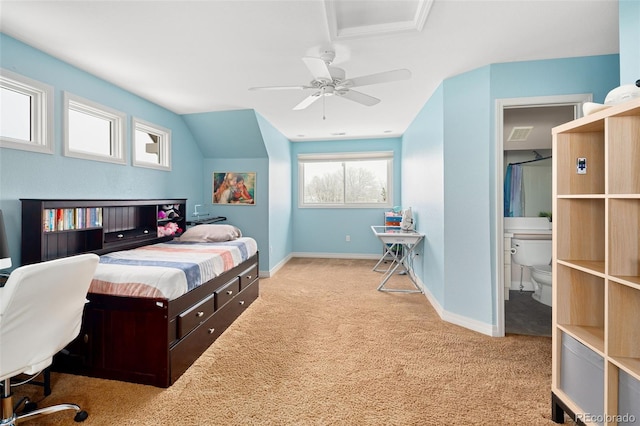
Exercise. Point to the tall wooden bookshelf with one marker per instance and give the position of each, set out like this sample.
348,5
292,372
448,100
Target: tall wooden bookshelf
596,266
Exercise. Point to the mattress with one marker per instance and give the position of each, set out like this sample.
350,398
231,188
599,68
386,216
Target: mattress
168,270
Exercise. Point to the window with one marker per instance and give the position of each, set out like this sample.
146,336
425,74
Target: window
345,180
151,145
93,131
26,110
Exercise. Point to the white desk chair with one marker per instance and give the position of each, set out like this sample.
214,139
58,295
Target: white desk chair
41,308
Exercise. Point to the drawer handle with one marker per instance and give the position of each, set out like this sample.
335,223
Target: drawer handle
249,277
211,330
85,338
241,302
145,231
200,314
120,236
229,292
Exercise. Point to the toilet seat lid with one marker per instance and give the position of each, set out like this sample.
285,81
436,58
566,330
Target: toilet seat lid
543,269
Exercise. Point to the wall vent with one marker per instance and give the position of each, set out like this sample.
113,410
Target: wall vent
520,134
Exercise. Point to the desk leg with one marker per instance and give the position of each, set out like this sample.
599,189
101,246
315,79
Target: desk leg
388,251
406,252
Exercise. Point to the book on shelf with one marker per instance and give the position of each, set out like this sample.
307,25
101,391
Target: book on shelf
47,220
59,219
72,218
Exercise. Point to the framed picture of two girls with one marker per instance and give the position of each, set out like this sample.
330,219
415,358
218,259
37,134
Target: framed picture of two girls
234,188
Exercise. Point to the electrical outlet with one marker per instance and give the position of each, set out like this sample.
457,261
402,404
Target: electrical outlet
348,238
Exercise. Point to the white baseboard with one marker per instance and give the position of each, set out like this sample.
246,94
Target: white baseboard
271,272
338,255
457,319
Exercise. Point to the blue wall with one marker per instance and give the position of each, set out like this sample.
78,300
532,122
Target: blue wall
629,11
454,135
280,205
26,174
466,195
423,189
591,74
319,231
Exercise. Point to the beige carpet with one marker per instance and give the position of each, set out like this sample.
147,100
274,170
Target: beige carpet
322,347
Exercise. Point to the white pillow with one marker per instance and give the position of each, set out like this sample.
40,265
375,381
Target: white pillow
591,107
622,94
210,234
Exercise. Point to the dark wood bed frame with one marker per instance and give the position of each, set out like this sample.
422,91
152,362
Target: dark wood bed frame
141,340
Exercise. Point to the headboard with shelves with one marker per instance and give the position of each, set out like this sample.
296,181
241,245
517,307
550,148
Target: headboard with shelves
58,228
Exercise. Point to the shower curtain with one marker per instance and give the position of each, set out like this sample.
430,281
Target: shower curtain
537,184
513,191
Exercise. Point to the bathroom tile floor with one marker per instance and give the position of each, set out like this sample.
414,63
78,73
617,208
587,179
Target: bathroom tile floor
524,315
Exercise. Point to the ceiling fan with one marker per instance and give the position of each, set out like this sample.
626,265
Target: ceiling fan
331,81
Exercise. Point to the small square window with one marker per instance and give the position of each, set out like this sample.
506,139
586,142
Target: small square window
93,131
26,108
151,145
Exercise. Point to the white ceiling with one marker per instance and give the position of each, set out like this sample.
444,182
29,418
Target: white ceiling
202,56
540,121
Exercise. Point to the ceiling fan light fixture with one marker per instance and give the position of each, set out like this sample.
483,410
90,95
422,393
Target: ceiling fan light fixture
329,80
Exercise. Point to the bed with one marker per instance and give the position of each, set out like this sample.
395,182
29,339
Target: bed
154,309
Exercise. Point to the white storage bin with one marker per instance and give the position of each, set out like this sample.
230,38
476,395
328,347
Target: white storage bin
628,396
582,376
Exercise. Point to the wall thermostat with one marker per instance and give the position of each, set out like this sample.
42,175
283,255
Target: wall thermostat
581,166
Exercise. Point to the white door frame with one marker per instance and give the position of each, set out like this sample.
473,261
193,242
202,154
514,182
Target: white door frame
501,104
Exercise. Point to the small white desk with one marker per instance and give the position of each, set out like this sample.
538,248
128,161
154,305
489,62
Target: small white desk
398,245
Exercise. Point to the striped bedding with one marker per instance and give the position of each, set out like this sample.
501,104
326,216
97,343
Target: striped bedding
168,270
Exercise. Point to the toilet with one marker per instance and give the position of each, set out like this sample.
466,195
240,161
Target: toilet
536,255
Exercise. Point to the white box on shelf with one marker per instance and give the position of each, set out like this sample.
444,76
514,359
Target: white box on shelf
628,396
582,376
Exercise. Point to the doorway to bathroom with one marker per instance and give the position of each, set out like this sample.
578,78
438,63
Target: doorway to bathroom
524,147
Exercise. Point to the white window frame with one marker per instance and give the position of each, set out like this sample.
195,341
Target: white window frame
164,144
346,157
117,136
41,119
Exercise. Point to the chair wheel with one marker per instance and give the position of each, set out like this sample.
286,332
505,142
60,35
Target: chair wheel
81,416
30,406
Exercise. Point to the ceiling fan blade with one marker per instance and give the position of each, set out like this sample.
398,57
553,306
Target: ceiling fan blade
382,77
318,68
281,88
308,101
359,97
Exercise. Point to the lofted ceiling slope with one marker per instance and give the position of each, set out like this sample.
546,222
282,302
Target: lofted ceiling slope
227,134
